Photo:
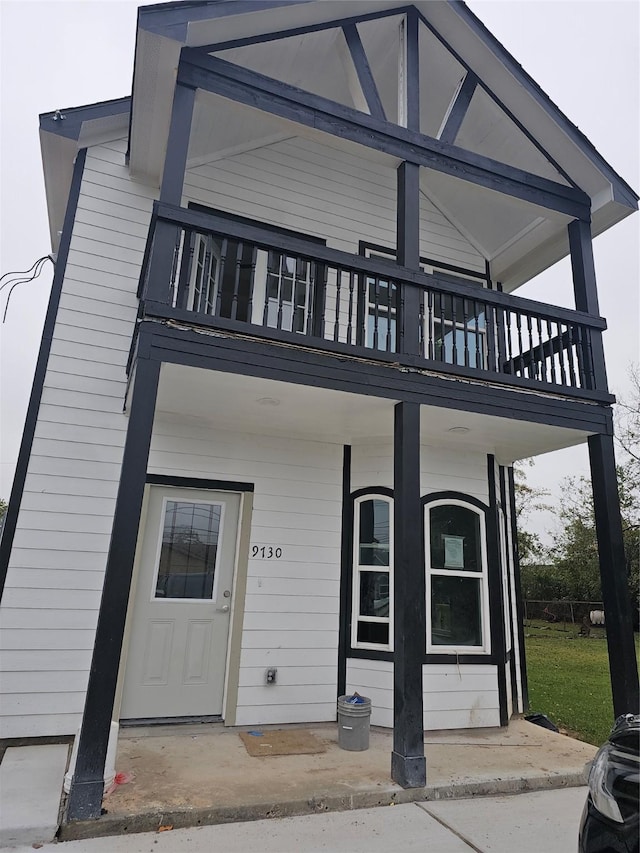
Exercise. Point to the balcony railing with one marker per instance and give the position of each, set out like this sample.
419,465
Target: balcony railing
209,270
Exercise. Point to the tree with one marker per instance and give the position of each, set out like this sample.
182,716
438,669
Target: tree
528,500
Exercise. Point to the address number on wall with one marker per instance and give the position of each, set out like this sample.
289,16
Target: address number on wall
266,552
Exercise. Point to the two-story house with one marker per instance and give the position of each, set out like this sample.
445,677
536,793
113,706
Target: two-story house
285,374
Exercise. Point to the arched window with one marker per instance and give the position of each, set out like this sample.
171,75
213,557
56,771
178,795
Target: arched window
372,596
456,565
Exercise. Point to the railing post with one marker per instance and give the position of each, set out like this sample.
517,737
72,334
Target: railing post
408,255
586,297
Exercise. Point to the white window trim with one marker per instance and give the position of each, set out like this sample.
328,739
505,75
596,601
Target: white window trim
482,576
216,573
357,568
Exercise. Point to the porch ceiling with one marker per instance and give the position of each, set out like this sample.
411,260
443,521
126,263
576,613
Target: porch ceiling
260,406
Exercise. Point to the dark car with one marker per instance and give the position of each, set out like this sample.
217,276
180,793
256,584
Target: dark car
610,818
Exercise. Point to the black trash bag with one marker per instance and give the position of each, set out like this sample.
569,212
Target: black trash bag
542,720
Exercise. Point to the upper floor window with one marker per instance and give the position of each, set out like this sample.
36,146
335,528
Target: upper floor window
373,573
456,564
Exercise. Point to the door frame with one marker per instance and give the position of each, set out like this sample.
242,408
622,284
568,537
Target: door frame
238,583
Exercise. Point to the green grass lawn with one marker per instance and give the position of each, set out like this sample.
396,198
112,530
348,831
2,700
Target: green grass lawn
569,679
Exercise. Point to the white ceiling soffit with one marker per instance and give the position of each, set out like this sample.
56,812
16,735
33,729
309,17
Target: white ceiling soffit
269,407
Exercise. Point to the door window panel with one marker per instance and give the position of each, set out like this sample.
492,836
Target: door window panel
189,550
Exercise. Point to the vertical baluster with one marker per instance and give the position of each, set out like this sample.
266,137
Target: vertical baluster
336,322
479,355
542,360
561,356
376,310
571,365
505,340
520,348
352,283
175,260
441,298
282,271
387,344
236,280
578,333
552,351
454,331
429,352
421,337
319,300
254,260
530,350
186,265
223,261
465,332
493,319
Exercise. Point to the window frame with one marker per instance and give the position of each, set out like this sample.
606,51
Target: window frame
482,577
356,570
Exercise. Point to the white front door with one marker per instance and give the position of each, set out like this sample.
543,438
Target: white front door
181,612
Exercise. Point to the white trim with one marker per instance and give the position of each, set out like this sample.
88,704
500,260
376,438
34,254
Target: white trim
357,569
481,576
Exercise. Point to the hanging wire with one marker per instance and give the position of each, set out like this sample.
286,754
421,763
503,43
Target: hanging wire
13,279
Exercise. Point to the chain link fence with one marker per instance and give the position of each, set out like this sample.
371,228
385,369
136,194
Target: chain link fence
564,613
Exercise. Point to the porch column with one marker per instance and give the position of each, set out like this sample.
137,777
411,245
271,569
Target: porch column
408,766
85,796
613,576
167,236
586,294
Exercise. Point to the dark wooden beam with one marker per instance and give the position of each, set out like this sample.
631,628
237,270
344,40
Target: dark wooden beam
585,292
85,796
363,70
272,96
175,161
411,72
613,575
408,766
408,254
458,109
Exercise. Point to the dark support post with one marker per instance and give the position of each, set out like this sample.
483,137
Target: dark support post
586,295
85,797
613,576
408,766
175,163
408,253
518,586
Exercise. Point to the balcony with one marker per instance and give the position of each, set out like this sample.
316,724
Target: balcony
206,270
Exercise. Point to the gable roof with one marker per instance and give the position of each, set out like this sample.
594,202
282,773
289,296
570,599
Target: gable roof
509,117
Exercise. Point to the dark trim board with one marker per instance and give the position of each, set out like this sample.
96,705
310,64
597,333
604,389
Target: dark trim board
346,568
496,601
223,78
524,685
24,454
197,483
249,357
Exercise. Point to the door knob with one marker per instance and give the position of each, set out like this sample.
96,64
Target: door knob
224,608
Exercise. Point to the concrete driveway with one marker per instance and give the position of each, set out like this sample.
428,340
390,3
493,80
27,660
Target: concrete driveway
528,823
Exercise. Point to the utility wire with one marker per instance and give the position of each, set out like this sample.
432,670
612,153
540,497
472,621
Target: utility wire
13,282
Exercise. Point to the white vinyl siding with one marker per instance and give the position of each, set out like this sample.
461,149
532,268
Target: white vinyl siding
292,603
455,696
441,469
52,593
64,524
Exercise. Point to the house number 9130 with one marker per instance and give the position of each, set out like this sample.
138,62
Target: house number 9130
266,552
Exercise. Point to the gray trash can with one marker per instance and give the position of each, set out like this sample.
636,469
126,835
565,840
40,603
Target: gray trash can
353,722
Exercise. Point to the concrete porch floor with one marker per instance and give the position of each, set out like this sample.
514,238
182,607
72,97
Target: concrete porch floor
202,774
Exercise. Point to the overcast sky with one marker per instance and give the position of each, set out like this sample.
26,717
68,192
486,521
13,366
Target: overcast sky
55,54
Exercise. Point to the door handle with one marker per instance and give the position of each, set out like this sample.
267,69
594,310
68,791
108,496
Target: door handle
223,609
